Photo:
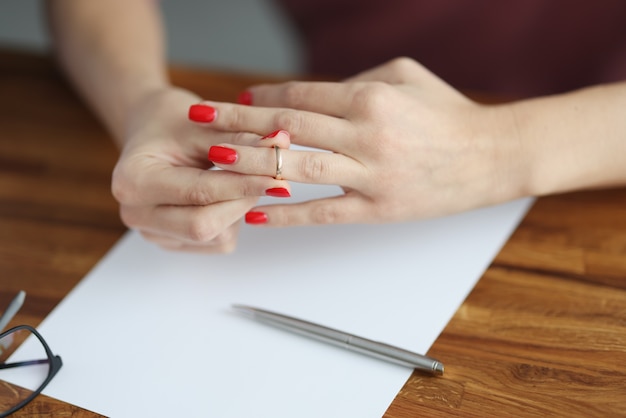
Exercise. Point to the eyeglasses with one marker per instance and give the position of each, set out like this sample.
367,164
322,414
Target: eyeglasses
32,373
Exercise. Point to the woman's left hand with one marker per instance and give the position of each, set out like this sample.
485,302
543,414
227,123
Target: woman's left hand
405,145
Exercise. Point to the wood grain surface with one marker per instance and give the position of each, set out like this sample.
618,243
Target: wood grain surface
542,334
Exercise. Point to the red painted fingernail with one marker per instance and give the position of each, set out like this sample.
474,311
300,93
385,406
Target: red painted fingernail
256,218
278,192
245,98
202,113
272,135
222,155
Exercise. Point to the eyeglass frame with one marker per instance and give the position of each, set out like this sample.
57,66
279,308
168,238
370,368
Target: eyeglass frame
54,361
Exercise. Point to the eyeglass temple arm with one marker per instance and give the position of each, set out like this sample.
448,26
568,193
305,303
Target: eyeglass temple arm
23,363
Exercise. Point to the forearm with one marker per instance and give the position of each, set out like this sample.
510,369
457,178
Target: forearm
113,51
573,141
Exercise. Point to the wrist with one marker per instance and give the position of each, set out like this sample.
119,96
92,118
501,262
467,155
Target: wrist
510,155
575,140
134,99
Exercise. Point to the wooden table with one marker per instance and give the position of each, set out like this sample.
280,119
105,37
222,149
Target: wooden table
542,334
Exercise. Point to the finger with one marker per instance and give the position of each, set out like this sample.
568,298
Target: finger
223,243
333,99
279,138
187,145
186,186
210,136
397,71
239,138
376,74
226,154
299,166
187,224
306,128
348,208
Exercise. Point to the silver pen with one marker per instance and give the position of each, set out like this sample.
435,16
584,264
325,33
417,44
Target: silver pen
343,339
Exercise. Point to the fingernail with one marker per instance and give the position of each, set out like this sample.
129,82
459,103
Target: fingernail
278,192
256,218
222,155
273,134
202,113
245,98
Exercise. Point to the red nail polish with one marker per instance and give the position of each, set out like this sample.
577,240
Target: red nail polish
278,192
222,155
245,98
256,218
202,113
272,135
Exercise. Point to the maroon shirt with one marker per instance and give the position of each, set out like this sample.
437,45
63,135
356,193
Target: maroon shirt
519,47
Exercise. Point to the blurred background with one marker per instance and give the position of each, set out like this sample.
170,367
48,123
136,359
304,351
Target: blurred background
240,35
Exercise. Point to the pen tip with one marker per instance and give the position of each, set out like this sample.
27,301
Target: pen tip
242,308
438,368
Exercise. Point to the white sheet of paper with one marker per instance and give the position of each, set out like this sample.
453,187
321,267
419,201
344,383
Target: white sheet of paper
151,333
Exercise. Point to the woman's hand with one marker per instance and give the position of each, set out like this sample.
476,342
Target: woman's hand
405,145
163,180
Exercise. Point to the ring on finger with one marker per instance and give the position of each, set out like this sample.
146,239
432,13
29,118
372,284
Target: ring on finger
279,163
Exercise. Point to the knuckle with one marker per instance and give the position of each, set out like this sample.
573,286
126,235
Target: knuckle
312,168
323,214
372,103
290,120
198,196
233,119
372,98
249,187
201,230
123,189
403,66
210,187
281,216
293,93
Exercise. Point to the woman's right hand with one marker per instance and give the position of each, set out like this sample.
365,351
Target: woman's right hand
164,184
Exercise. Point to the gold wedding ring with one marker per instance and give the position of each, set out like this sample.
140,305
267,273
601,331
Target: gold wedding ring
279,163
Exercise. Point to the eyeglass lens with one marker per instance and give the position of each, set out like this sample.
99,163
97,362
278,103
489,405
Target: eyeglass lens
21,373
